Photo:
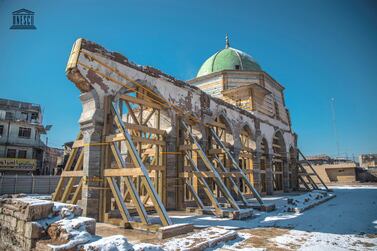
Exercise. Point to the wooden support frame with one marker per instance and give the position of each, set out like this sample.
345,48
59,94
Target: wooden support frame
139,164
146,142
71,172
236,167
213,174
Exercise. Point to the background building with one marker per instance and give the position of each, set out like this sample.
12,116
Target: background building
21,147
336,170
368,160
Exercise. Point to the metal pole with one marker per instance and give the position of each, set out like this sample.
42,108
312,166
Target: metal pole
332,102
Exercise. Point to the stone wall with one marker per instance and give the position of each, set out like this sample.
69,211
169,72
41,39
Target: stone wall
32,224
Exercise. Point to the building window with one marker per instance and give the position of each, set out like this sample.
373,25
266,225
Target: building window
1,130
24,116
24,132
34,116
9,115
237,66
277,110
11,153
22,154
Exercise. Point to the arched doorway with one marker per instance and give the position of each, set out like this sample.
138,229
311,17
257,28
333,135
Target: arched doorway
246,156
222,128
292,167
263,165
278,158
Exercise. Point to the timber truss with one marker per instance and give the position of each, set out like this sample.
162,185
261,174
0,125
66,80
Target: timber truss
207,173
132,177
305,178
133,161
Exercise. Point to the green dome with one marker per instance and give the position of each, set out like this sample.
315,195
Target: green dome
228,59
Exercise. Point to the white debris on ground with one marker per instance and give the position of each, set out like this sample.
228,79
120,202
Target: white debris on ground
202,239
347,222
305,201
115,242
197,241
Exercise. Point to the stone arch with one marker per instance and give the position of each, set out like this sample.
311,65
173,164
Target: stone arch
279,172
263,164
278,144
292,167
247,130
229,130
246,156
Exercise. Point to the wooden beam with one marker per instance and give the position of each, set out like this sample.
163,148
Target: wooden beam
140,101
72,173
216,151
136,139
120,203
77,193
143,128
78,143
209,174
217,124
125,172
131,112
69,185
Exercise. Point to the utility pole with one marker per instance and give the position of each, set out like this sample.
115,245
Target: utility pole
332,102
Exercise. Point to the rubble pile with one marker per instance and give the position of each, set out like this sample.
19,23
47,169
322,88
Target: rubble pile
306,201
19,229
28,223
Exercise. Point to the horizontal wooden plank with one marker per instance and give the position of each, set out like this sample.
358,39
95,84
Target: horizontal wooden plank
216,151
144,129
149,167
72,174
246,155
121,172
208,174
186,147
217,124
140,101
135,139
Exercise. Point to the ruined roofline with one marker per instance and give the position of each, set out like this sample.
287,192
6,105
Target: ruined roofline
156,73
213,74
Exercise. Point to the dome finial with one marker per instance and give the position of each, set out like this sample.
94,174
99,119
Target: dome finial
226,41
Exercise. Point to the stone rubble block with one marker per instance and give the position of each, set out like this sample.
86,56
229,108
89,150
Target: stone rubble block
33,230
25,221
62,230
66,210
9,240
25,208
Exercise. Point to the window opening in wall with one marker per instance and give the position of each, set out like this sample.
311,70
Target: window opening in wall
24,116
277,110
1,130
22,154
24,132
9,115
237,66
11,153
34,116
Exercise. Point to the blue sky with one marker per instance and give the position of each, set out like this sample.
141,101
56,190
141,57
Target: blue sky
316,49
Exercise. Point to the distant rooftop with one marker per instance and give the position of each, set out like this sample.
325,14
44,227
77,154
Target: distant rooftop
7,103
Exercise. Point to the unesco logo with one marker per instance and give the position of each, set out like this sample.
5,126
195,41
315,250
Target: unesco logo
23,19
